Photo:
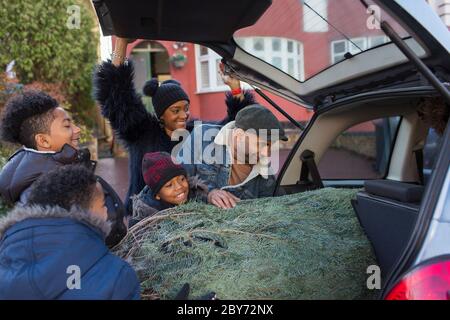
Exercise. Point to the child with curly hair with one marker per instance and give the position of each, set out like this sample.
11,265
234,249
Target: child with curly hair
49,139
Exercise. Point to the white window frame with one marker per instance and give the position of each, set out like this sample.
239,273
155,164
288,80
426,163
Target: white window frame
211,58
355,49
316,24
333,54
370,39
366,45
268,54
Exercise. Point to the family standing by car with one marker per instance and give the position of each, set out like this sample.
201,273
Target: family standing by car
49,178
65,218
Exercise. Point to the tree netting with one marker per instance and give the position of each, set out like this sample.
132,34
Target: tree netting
303,246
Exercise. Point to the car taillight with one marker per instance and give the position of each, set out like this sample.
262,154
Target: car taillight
428,282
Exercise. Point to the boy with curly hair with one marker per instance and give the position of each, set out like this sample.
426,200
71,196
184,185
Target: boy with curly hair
49,139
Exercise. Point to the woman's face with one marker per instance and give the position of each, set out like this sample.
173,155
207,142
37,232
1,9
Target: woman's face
176,116
175,191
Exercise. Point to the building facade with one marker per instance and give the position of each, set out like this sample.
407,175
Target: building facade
298,37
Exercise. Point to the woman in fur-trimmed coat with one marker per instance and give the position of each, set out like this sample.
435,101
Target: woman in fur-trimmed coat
139,130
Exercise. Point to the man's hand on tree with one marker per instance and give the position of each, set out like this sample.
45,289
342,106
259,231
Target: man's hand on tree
222,199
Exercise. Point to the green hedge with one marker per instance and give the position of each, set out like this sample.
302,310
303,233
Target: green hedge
35,34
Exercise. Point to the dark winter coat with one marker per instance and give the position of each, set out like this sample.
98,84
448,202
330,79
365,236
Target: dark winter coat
139,130
44,249
145,205
26,166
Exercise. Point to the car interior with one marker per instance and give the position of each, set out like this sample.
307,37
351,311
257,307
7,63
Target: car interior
387,208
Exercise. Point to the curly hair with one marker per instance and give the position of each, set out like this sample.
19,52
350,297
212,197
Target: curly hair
435,113
26,115
65,186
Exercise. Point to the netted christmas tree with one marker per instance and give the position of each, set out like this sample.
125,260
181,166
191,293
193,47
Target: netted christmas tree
303,246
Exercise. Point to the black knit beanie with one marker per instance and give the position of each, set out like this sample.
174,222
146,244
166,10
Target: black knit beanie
164,95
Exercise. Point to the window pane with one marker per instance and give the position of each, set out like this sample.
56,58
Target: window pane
290,46
376,41
313,20
357,45
325,21
299,65
361,152
276,62
276,52
339,47
291,67
204,73
258,44
276,44
240,42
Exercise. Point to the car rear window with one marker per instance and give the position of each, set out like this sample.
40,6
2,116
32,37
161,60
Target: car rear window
302,38
361,152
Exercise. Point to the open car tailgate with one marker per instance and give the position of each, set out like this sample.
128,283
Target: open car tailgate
178,20
215,24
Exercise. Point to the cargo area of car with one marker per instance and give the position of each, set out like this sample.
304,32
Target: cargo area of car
387,211
387,208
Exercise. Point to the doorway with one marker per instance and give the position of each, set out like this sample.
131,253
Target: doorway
151,60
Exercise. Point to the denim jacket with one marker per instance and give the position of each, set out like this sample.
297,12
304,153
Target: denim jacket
205,154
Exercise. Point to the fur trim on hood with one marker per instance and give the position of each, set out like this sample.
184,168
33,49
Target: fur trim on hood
21,213
198,189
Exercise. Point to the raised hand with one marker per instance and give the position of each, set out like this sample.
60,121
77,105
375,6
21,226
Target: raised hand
120,50
233,83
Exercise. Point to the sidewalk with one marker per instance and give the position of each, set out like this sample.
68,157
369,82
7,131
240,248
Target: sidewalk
115,172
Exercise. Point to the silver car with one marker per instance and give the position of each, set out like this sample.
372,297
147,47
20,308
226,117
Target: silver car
369,74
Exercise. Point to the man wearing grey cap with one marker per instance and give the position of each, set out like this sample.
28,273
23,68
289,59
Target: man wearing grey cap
234,160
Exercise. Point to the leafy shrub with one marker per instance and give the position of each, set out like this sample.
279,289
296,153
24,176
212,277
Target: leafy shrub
36,35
